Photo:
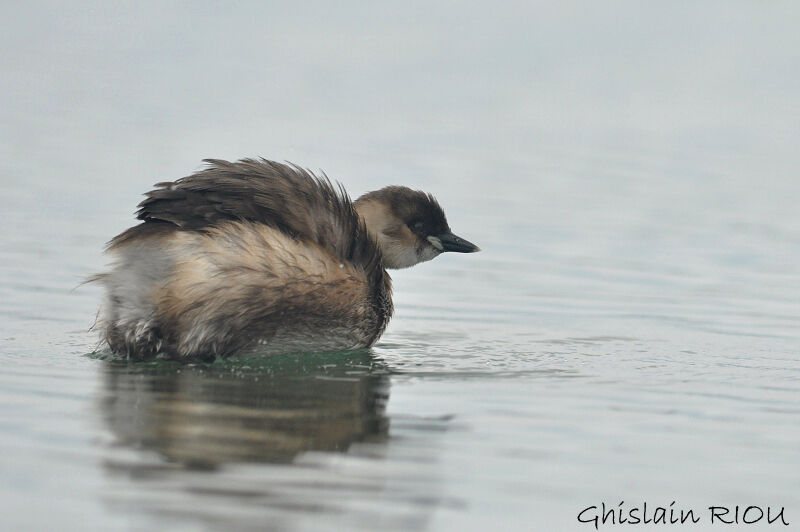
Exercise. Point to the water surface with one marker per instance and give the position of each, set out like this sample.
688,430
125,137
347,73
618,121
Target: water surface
629,332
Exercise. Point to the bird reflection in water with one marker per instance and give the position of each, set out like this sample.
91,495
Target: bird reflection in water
267,409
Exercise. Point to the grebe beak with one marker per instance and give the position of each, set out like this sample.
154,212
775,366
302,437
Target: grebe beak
451,242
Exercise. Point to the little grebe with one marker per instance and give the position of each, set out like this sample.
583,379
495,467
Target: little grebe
261,255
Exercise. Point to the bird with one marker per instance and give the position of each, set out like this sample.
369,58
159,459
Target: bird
257,256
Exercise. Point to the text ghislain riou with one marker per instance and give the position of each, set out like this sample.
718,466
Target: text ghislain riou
623,514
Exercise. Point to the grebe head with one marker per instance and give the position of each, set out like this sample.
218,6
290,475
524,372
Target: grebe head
409,226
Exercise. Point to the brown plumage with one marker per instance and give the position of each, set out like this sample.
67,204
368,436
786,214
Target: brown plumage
258,254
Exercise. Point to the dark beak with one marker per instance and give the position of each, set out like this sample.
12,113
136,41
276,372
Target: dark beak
451,242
